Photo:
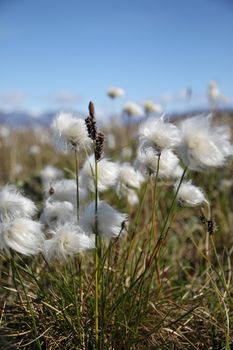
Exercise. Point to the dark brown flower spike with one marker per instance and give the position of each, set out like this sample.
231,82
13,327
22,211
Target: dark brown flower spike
91,122
99,145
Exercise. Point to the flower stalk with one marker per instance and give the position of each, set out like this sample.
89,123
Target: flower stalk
98,140
77,181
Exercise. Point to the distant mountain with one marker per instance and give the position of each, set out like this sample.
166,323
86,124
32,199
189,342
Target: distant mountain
24,119
18,119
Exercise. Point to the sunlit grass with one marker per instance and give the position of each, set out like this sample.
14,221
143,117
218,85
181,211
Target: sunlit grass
175,297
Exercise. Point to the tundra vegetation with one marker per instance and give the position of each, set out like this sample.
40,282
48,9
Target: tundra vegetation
117,237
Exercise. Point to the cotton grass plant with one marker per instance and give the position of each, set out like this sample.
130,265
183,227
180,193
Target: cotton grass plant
91,269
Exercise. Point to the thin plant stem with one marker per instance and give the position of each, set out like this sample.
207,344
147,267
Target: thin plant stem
80,264
139,210
97,259
72,270
163,231
28,303
153,230
173,202
77,181
14,280
81,299
207,241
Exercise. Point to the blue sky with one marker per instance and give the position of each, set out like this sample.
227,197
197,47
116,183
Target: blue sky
63,53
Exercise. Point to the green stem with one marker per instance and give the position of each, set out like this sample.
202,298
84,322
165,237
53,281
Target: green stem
173,202
154,198
139,210
77,181
97,259
163,231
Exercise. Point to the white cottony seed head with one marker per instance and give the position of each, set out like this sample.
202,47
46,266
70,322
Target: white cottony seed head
109,220
55,213
14,205
128,177
147,163
50,173
156,133
114,92
132,109
70,132
190,195
65,191
151,107
204,145
67,240
22,235
107,174
132,197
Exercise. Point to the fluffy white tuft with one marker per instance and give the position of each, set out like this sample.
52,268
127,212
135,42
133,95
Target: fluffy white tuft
151,107
190,195
107,174
109,220
115,92
128,178
67,240
14,205
55,213
70,132
132,197
22,235
50,173
34,150
204,145
147,163
154,132
65,191
132,109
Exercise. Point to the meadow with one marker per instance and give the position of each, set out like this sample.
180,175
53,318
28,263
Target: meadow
154,270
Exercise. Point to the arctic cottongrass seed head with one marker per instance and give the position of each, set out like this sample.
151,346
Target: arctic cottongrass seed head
114,92
107,174
190,195
151,107
67,240
132,109
128,181
14,205
55,213
70,132
204,145
213,93
65,191
147,163
156,133
25,236
132,197
129,177
109,220
50,173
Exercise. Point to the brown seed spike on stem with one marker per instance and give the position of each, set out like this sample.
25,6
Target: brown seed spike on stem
91,122
99,145
91,110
